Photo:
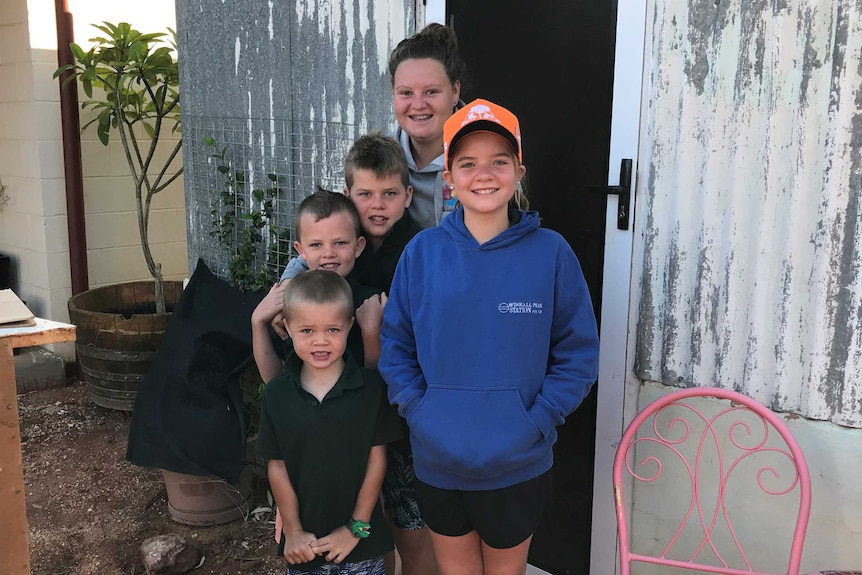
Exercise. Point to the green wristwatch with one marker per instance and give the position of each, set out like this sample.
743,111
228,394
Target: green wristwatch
360,529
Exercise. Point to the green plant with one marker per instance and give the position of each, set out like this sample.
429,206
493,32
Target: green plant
245,229
135,79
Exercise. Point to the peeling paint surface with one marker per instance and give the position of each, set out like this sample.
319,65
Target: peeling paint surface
749,203
287,86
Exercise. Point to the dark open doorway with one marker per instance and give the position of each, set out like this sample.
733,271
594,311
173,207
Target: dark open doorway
552,64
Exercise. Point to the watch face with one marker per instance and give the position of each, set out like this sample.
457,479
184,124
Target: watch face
360,529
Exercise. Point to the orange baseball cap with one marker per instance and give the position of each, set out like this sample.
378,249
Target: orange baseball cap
481,116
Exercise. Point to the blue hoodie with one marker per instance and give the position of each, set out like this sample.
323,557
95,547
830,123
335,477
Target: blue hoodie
486,349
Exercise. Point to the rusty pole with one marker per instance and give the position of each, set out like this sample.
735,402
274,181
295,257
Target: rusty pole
72,153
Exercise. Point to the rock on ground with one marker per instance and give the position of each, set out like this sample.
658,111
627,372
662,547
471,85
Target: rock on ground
169,555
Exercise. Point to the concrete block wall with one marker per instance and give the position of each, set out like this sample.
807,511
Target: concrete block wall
114,251
32,209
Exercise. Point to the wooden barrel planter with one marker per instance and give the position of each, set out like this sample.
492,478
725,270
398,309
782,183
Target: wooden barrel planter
118,333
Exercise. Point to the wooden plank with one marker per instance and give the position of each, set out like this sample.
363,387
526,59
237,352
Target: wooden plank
44,332
14,551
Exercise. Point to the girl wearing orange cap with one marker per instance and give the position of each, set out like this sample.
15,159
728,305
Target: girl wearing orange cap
484,363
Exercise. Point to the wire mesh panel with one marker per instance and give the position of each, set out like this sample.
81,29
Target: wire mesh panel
244,180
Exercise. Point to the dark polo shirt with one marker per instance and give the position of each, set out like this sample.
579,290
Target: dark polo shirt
325,447
376,268
361,292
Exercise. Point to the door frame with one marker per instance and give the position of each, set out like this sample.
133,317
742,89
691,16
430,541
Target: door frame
617,384
435,11
618,280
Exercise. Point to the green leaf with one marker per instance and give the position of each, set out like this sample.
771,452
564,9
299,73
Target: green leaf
161,91
77,52
163,52
151,132
62,69
104,128
147,38
223,169
257,194
209,141
272,177
135,51
106,30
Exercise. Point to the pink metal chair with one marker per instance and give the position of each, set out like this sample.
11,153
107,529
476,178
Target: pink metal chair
718,455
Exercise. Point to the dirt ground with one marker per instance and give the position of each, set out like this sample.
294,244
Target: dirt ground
89,510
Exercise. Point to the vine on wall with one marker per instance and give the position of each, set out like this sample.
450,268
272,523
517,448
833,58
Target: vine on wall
248,231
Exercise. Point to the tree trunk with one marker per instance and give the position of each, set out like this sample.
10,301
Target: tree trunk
160,293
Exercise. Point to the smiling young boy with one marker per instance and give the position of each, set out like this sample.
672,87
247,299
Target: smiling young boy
324,426
378,183
328,238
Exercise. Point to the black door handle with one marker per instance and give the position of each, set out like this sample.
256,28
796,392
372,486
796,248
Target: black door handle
623,190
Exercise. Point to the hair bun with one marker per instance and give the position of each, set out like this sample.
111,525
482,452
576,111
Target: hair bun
442,34
434,41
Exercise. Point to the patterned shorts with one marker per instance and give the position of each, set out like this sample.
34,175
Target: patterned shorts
399,487
367,567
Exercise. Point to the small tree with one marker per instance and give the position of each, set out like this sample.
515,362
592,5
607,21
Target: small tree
137,82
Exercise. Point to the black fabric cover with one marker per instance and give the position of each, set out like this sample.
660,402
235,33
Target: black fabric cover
188,416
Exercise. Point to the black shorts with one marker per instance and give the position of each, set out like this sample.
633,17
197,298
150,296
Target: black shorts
503,518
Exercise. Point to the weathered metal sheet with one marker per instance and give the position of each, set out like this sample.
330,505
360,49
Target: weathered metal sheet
749,203
288,86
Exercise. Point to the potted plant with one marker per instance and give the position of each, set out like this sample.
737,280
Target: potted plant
131,81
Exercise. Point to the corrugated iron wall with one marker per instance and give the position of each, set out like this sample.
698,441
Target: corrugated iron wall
749,203
285,87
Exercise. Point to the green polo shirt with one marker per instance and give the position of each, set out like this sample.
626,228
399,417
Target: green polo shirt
325,446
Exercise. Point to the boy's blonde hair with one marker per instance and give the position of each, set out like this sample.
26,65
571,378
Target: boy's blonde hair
318,287
379,153
322,204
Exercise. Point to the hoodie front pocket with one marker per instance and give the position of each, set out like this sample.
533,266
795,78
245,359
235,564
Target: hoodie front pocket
474,432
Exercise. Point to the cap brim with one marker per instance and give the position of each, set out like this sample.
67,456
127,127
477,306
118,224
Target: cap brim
481,126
